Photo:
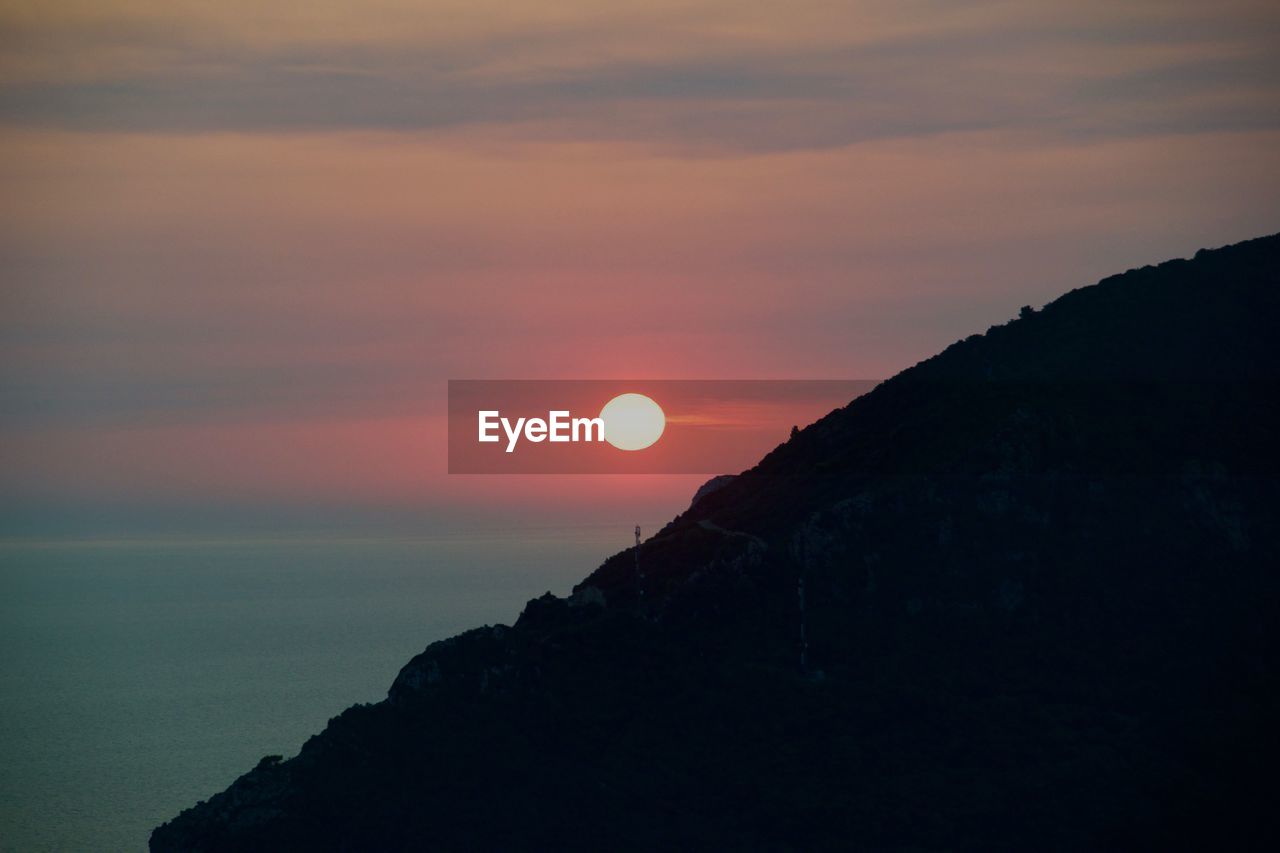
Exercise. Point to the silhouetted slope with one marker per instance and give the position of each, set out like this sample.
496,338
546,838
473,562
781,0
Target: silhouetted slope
1041,578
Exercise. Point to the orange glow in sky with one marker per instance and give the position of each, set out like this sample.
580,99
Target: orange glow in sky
245,245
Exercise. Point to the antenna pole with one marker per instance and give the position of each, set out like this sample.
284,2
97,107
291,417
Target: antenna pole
639,571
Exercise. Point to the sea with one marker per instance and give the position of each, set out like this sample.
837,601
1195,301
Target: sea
138,676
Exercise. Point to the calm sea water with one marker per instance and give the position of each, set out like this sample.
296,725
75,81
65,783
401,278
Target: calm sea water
137,677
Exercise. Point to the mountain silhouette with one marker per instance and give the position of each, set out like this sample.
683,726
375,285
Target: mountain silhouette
1039,612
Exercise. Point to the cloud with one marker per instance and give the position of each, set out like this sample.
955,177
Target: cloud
663,77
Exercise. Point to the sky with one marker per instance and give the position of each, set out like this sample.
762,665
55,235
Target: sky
245,245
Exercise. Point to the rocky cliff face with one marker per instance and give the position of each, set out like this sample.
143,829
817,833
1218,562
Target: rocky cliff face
715,484
1040,608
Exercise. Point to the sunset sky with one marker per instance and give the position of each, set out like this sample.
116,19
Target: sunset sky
244,245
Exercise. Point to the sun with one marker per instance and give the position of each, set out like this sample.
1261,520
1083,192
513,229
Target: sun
632,421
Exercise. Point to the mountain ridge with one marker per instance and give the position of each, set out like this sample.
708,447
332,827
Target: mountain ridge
1039,612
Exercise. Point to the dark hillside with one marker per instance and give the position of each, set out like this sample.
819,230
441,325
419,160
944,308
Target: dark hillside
1041,585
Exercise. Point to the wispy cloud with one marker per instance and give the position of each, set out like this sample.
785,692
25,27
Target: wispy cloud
663,76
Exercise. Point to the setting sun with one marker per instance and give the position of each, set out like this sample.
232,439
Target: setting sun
632,421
